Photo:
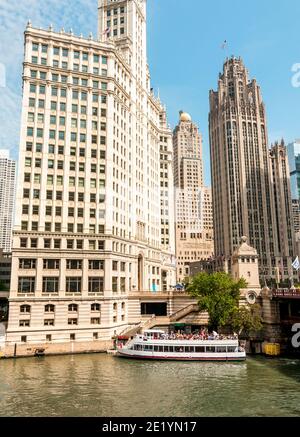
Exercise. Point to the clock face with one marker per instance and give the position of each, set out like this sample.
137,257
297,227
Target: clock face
251,297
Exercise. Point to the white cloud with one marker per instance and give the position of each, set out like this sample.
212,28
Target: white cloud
80,15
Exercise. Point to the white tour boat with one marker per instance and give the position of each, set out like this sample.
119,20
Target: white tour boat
157,345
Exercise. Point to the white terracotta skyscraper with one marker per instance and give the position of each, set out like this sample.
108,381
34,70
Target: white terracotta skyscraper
7,198
194,227
89,222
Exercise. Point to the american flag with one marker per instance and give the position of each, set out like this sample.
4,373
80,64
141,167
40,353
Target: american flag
224,45
106,32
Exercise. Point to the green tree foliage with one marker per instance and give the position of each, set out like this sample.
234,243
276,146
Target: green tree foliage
218,294
246,320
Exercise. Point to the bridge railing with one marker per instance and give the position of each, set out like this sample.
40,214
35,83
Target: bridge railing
286,292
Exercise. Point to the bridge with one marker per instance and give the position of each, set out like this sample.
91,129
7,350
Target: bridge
286,293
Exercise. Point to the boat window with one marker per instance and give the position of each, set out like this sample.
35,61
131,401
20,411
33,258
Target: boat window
169,348
179,349
221,349
138,347
189,349
210,349
231,349
148,348
156,349
160,348
200,349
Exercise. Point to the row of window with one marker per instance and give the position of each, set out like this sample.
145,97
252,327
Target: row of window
54,264
26,285
74,108
49,337
42,75
57,51
186,349
56,244
54,120
76,95
61,134
115,11
71,321
60,150
72,308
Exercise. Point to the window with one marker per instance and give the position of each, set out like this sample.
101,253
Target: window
73,308
49,308
47,243
23,242
72,322
33,243
25,309
115,284
72,337
27,264
49,322
73,285
95,321
96,285
26,285
74,264
48,337
70,244
96,265
95,307
51,264
24,323
50,285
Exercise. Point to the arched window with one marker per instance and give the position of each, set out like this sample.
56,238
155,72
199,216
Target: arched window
25,309
73,308
96,307
115,306
49,308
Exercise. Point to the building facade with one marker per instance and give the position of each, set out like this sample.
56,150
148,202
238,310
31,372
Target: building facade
283,209
7,199
5,274
243,199
193,204
89,225
293,150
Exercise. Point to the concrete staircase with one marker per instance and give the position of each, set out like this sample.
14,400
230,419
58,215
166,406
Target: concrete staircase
190,314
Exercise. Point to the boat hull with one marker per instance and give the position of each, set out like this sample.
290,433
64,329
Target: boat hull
237,358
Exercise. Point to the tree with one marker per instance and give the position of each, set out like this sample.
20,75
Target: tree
247,319
218,294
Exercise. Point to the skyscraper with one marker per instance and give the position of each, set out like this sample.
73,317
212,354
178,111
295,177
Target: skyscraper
243,198
293,150
89,220
281,189
194,230
7,199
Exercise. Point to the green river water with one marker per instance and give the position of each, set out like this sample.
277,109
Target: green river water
102,385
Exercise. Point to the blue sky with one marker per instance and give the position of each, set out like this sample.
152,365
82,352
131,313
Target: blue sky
184,52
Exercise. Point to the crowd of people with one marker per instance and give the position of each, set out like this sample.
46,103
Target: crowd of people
199,335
